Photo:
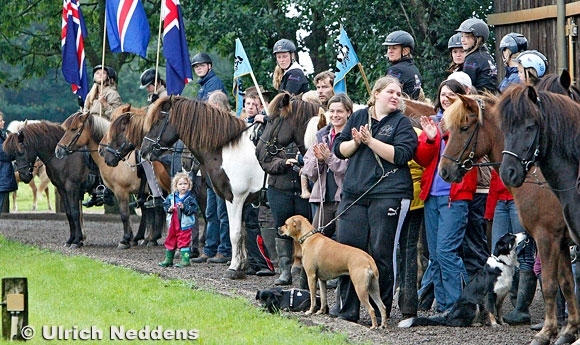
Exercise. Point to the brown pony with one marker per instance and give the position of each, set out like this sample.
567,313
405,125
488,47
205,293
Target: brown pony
84,129
474,131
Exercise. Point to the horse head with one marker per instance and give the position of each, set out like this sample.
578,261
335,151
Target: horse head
468,138
160,131
522,119
23,159
125,133
288,121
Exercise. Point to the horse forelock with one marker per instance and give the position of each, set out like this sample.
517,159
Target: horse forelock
514,106
204,127
133,129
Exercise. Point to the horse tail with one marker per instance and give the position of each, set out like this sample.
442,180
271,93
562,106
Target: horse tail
434,320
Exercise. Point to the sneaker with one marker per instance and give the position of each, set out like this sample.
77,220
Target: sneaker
219,259
202,258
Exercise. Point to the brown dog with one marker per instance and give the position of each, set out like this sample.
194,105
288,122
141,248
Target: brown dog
324,259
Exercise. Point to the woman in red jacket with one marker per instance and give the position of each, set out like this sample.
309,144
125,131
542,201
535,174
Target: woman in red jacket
446,205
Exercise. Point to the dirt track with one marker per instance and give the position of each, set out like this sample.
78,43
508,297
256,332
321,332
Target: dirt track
50,231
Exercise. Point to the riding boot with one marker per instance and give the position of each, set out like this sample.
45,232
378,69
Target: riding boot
526,291
514,288
95,200
284,250
184,258
168,258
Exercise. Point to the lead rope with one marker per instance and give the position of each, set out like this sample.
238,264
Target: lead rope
383,176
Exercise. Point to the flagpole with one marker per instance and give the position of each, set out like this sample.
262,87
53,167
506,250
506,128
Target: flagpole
103,63
259,92
362,71
158,47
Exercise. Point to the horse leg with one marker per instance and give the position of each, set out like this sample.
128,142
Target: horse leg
125,219
158,225
14,205
548,251
237,269
32,185
145,215
71,201
566,279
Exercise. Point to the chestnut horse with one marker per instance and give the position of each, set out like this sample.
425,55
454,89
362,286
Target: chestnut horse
68,175
474,131
84,129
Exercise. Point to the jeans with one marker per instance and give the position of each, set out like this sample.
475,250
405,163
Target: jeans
505,220
217,237
3,198
445,224
408,299
475,252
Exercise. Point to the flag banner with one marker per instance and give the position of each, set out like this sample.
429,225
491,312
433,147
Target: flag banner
178,70
241,62
72,37
241,67
346,59
127,27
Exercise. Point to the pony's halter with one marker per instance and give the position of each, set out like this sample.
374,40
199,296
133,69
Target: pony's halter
73,140
156,147
272,142
468,163
529,162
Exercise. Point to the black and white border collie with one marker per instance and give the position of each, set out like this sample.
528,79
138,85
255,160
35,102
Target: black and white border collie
484,294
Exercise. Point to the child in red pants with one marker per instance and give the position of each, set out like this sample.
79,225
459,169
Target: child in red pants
181,207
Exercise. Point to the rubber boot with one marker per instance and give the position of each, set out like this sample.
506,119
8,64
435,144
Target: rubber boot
514,288
184,258
526,291
284,250
168,258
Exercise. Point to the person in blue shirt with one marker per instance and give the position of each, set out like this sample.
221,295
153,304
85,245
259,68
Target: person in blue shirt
209,81
511,46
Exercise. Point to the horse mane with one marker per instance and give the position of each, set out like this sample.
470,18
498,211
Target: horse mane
558,116
296,111
99,125
466,105
34,135
200,125
133,119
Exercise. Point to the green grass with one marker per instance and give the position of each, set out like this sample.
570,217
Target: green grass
75,291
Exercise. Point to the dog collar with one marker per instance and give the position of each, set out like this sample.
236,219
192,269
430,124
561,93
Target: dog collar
305,237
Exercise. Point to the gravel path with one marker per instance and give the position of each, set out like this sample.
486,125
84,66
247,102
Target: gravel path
50,231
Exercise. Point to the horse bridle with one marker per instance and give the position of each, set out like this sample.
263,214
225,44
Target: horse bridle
528,163
73,141
156,146
117,153
468,163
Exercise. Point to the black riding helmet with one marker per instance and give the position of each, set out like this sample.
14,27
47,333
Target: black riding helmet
455,41
200,58
148,77
283,46
475,26
400,37
111,73
514,42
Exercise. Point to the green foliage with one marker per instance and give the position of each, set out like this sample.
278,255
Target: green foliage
76,291
30,38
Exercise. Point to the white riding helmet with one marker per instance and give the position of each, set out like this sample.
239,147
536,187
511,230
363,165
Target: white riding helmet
534,59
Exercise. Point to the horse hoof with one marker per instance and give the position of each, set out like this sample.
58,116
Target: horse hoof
152,244
565,339
67,244
540,341
74,246
233,274
123,246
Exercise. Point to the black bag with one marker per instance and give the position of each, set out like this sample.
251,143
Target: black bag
276,299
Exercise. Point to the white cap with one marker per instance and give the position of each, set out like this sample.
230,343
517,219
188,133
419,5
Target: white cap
461,77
